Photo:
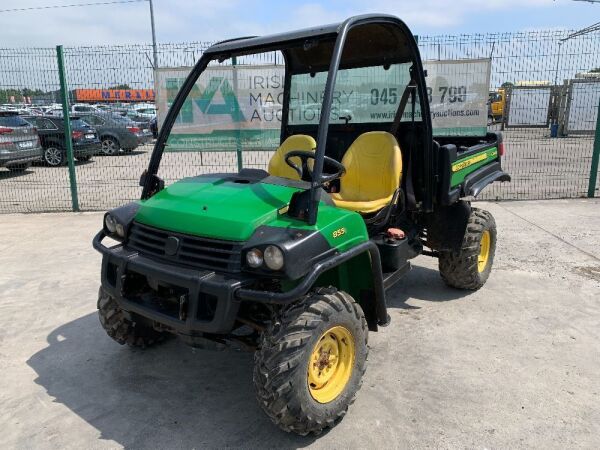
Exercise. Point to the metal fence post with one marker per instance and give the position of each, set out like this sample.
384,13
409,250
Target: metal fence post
67,120
595,158
238,140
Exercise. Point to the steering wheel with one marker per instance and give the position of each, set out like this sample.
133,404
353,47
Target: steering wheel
305,156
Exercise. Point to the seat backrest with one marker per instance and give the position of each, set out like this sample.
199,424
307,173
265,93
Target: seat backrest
277,165
373,167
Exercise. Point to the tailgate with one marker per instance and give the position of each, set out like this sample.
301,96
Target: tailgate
465,171
24,137
14,130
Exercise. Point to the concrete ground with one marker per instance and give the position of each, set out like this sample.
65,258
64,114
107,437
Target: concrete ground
514,365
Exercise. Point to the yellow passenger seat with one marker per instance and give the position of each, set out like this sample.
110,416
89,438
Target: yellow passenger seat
373,172
277,165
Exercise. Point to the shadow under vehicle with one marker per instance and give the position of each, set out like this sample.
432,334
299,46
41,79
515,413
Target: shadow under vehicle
101,384
295,262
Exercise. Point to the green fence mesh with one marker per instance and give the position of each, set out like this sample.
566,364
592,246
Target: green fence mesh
540,86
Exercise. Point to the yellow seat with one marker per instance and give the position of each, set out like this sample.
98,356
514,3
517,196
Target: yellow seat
277,165
373,172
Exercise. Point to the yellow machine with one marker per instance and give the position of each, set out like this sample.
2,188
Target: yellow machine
497,103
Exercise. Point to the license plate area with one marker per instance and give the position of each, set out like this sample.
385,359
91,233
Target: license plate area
156,295
26,144
90,136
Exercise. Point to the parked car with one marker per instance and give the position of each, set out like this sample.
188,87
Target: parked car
112,108
117,132
147,112
103,107
80,108
19,142
149,108
51,130
145,123
54,110
34,111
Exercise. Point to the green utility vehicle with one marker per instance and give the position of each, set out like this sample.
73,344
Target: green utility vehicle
294,263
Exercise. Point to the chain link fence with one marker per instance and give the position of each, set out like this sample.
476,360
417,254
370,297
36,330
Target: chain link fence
534,69
25,73
541,86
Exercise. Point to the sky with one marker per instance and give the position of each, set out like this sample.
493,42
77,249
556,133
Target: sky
207,21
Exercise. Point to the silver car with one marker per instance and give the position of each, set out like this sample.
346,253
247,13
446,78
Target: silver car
19,142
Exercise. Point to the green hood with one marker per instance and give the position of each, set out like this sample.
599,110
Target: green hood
214,207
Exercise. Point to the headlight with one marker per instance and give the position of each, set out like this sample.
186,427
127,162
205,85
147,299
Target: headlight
117,221
120,230
254,258
110,223
113,226
273,257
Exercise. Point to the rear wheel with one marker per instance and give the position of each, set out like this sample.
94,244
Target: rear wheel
470,267
110,146
55,156
311,361
121,329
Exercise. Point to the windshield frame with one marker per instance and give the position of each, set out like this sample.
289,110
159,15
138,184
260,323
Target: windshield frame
253,45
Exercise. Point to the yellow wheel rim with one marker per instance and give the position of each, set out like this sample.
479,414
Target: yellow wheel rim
330,365
484,251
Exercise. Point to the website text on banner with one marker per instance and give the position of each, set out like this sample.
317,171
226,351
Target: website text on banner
243,103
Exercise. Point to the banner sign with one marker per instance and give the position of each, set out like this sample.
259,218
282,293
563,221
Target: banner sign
242,105
458,93
114,95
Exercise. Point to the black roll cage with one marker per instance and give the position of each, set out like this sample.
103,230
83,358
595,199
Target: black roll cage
250,45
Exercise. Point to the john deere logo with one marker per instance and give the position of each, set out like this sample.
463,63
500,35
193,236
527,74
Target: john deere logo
171,246
208,102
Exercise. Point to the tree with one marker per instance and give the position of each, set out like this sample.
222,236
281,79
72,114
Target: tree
31,92
595,70
507,84
6,94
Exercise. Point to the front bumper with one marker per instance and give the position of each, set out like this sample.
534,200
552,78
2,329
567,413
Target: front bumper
144,138
129,141
87,149
205,300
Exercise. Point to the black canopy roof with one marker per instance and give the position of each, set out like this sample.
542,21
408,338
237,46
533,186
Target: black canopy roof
372,39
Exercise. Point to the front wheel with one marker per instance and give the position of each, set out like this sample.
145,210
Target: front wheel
311,361
470,267
110,146
120,328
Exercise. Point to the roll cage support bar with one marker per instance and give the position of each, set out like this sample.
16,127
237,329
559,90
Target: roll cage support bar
150,180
